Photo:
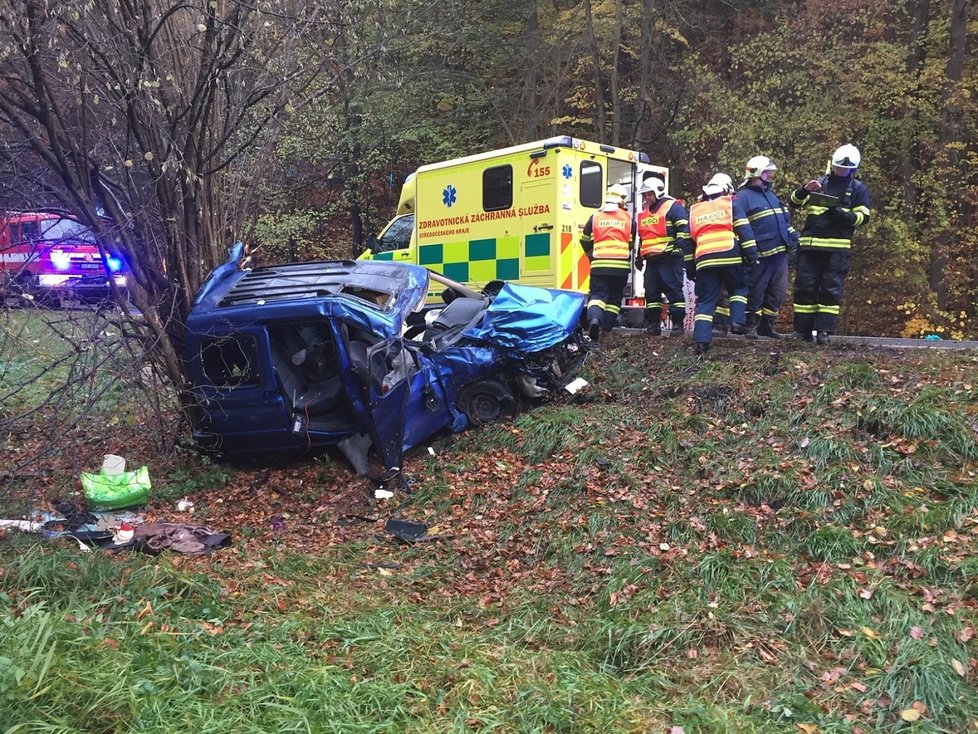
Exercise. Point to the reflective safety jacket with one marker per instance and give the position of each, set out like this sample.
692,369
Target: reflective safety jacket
720,234
830,232
769,219
662,229
611,233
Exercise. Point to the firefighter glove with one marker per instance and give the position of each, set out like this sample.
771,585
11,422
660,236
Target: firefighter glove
842,216
793,256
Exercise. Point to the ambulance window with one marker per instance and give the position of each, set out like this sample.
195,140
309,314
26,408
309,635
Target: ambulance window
497,188
398,234
592,188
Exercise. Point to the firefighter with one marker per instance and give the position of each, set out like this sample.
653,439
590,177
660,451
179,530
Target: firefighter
718,253
775,237
663,227
607,239
826,243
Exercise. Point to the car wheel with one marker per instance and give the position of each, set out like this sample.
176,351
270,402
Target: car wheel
486,402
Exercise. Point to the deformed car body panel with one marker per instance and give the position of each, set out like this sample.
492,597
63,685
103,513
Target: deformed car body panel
310,354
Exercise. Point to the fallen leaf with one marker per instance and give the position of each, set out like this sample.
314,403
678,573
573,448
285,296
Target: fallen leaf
870,633
856,685
808,728
910,715
916,632
958,667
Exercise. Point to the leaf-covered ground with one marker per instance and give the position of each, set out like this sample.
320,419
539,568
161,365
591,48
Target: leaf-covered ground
777,538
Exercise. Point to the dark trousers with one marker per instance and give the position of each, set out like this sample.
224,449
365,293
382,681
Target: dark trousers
664,276
818,289
710,283
768,285
604,299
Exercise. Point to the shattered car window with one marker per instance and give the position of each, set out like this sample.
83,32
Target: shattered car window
230,361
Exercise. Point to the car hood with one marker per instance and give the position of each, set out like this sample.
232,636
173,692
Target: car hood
529,319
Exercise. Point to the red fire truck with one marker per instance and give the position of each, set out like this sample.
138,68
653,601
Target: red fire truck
52,258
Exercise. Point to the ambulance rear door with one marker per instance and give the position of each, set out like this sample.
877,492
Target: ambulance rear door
561,190
539,217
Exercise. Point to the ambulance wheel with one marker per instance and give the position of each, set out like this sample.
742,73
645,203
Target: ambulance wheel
486,401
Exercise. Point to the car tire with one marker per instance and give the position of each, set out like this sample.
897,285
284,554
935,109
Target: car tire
485,402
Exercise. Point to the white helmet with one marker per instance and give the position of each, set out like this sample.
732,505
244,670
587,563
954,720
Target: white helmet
846,156
719,184
617,194
757,165
653,185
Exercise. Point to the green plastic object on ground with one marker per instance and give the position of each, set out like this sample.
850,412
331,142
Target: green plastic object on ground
115,491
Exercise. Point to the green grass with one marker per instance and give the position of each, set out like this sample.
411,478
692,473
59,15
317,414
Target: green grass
699,543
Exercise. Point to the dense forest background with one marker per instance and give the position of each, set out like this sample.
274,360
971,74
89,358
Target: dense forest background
292,125
700,86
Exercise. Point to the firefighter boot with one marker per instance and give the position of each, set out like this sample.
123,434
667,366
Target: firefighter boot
822,337
653,326
750,329
766,328
677,319
594,330
740,330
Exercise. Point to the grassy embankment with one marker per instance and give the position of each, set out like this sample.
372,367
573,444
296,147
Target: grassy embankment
771,540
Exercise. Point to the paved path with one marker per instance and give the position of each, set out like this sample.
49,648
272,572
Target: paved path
869,341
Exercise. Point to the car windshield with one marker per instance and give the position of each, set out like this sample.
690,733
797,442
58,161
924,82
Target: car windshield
398,234
66,230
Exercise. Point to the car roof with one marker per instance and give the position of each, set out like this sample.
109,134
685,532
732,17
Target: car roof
380,290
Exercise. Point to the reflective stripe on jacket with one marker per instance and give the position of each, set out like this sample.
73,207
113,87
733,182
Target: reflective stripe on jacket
820,231
720,232
612,233
653,230
769,220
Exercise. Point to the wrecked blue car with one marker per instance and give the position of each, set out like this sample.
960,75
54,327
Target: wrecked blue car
346,354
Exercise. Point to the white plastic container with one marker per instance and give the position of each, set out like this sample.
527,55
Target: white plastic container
113,464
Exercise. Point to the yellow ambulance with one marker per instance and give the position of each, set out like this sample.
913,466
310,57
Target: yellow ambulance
514,214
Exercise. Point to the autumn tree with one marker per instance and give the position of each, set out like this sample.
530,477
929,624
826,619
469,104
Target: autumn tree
159,114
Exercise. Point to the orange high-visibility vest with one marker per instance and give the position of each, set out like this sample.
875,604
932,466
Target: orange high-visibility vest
652,229
711,226
612,232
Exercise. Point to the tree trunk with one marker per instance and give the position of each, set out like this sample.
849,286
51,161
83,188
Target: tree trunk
600,114
532,49
615,84
948,135
916,55
641,132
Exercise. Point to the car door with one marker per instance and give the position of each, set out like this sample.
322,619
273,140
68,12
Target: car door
236,385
